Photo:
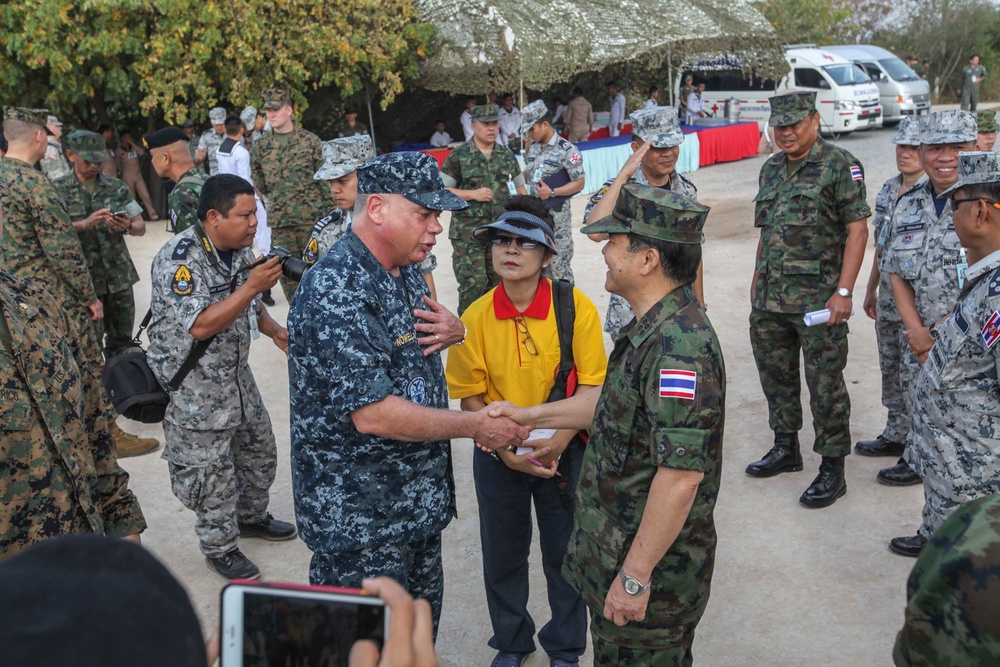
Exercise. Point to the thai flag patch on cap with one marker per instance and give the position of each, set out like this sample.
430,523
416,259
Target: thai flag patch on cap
856,173
678,384
990,333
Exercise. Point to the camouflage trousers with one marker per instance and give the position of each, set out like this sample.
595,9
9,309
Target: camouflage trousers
560,267
610,652
473,265
82,328
294,240
937,508
115,330
415,565
776,339
619,314
223,476
891,347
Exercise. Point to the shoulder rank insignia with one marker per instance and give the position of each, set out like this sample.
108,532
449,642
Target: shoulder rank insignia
599,195
182,281
994,284
312,250
182,248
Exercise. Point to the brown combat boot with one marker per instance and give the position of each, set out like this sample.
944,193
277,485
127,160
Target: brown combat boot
132,445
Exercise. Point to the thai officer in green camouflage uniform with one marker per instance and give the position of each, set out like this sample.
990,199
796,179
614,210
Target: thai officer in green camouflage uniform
58,472
924,255
879,304
548,155
642,550
986,129
656,140
219,442
484,173
283,164
812,215
168,153
92,200
953,594
211,139
955,436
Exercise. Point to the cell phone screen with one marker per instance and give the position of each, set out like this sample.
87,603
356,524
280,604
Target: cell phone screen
286,629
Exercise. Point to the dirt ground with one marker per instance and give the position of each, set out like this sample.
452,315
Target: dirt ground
792,586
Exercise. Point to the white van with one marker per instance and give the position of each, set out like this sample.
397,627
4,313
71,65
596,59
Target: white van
901,91
846,98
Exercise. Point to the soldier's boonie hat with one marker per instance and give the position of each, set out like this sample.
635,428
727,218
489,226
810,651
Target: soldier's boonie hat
413,175
531,114
88,145
275,98
520,223
790,108
249,117
188,123
164,137
54,121
217,116
975,168
908,133
344,155
33,116
986,121
485,113
655,213
657,125
948,127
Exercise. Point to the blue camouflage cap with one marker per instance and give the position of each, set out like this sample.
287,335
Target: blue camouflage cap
344,155
975,168
908,133
948,127
657,125
413,175
654,212
531,114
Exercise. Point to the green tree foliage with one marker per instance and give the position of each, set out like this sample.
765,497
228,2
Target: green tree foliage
803,21
100,59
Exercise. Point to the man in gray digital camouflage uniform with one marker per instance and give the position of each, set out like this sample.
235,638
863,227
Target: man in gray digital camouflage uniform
879,304
925,258
219,442
656,140
955,432
548,156
211,139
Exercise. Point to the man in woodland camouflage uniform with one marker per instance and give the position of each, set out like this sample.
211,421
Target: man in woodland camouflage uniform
169,155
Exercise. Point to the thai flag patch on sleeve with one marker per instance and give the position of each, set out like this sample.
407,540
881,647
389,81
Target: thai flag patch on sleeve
990,333
856,173
678,384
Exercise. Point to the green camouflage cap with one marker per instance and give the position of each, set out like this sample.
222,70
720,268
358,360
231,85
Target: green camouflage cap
411,174
908,133
975,168
790,108
986,120
653,212
33,116
485,113
344,155
88,145
657,125
531,114
948,127
275,98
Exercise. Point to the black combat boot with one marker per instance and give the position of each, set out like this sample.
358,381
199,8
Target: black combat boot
879,447
783,457
909,546
828,485
900,474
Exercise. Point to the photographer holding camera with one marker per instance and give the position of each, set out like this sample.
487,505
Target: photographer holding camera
219,441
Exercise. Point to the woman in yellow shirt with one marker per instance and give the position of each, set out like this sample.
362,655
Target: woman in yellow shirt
512,353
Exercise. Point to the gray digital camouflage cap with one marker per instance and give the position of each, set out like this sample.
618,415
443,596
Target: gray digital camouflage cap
485,113
790,108
275,98
657,125
344,155
53,120
531,114
975,168
653,212
249,117
986,120
217,116
948,127
908,133
33,116
88,145
413,175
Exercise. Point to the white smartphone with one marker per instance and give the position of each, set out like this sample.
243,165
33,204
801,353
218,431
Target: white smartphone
268,624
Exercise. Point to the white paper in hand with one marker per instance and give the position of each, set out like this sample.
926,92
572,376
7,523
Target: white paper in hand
537,434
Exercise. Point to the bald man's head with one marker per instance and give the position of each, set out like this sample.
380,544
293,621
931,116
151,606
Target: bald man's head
172,160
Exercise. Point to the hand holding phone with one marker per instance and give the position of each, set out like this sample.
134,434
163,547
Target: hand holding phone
410,638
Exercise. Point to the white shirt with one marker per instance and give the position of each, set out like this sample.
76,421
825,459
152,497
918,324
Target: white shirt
560,112
237,161
510,123
649,103
617,110
439,139
467,124
695,104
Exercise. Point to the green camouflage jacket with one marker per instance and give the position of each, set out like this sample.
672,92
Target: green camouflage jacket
183,200
471,169
283,172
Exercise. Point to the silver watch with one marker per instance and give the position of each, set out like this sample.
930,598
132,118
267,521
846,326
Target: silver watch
632,585
843,291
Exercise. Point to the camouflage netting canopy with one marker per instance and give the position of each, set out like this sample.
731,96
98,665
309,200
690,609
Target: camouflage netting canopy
480,46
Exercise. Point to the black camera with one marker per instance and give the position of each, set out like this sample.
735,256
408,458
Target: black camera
291,267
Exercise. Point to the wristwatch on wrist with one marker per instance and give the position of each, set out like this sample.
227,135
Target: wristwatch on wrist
843,291
632,585
509,448
933,331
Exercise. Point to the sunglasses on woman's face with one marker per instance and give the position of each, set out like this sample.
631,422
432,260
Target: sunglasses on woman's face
522,243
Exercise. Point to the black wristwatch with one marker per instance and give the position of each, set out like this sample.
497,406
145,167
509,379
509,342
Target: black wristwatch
933,331
508,448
